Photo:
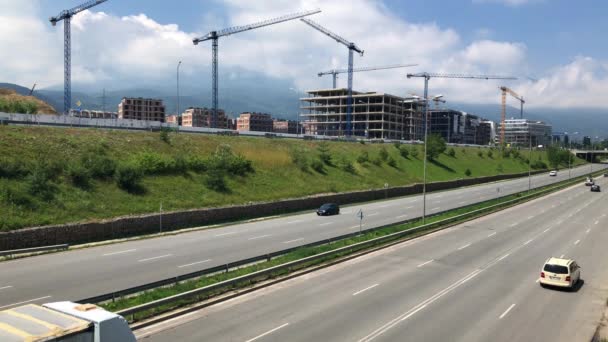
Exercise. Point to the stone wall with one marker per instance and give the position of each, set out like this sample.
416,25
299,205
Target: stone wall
120,227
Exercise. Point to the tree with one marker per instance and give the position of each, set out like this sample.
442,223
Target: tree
554,157
451,153
324,153
467,172
435,146
383,154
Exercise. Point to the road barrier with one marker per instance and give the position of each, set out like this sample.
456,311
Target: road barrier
33,250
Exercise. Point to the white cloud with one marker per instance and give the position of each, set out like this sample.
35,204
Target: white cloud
136,49
512,3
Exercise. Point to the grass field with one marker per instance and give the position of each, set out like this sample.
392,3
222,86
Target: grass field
281,169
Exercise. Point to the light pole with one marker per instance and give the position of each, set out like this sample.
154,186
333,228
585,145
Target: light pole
529,159
177,112
299,129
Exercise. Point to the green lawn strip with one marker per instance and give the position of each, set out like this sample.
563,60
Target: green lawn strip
277,173
303,252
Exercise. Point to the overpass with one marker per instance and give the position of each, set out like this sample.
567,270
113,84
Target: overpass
590,155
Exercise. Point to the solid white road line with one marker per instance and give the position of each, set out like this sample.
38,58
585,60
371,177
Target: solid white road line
409,207
576,242
373,214
355,227
530,217
596,222
194,263
559,222
538,280
268,332
325,224
25,301
492,234
413,313
292,222
463,247
462,203
504,256
438,208
365,289
5,287
259,237
546,230
385,206
513,225
426,263
562,256
588,230
153,258
121,252
226,234
296,240
527,242
506,311
402,216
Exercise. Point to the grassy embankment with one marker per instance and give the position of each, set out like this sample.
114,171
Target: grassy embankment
11,102
57,175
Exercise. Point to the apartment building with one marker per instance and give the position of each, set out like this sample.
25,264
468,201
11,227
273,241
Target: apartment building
285,126
174,120
458,127
375,115
141,109
93,114
201,117
258,122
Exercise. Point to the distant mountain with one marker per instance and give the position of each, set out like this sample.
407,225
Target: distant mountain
274,96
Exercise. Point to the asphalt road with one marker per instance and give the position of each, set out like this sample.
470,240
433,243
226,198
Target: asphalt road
88,272
473,282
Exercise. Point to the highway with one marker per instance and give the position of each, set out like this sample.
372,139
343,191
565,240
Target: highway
93,271
473,282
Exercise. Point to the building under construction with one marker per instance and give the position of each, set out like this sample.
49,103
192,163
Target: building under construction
374,116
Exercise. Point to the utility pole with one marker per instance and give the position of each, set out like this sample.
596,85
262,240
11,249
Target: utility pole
177,114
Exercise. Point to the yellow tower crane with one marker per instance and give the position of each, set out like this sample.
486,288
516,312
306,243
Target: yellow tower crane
506,90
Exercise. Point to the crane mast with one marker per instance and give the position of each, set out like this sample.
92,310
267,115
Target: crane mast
66,16
503,114
351,48
214,37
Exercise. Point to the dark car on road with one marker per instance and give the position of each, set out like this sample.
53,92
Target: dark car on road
328,209
595,188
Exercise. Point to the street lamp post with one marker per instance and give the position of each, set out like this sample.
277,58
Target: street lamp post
529,159
177,112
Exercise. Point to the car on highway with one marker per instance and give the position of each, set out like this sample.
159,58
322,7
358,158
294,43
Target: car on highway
606,174
553,173
328,209
595,188
589,182
560,272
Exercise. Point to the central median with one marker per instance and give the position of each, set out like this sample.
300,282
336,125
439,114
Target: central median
142,302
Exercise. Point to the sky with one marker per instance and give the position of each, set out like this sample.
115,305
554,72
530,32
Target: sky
554,47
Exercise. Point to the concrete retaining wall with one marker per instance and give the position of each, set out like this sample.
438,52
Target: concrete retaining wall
120,227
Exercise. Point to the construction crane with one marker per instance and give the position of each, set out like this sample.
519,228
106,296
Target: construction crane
351,47
66,16
427,76
503,114
32,90
215,35
335,72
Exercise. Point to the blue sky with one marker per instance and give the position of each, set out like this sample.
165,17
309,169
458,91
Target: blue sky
138,42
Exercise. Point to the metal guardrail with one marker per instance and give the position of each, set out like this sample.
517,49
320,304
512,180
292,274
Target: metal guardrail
33,250
263,274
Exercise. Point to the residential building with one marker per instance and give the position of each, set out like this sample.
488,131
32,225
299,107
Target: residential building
141,109
285,126
174,119
93,114
258,122
522,132
201,117
374,116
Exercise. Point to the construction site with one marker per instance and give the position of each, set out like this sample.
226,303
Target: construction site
374,115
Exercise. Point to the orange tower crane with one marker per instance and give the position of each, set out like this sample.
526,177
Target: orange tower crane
506,90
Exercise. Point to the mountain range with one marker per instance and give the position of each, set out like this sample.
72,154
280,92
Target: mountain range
279,99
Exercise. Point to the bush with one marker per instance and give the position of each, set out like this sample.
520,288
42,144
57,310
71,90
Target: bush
464,151
12,168
397,145
197,164
324,154
225,160
215,180
363,158
490,154
414,152
128,177
98,164
39,182
435,146
480,154
404,152
180,164
377,161
515,154
538,165
467,172
499,168
451,153
391,162
506,153
18,197
79,175
298,157
317,165
347,166
152,163
383,154
164,135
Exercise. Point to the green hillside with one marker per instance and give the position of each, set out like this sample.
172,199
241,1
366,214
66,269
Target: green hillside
56,175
